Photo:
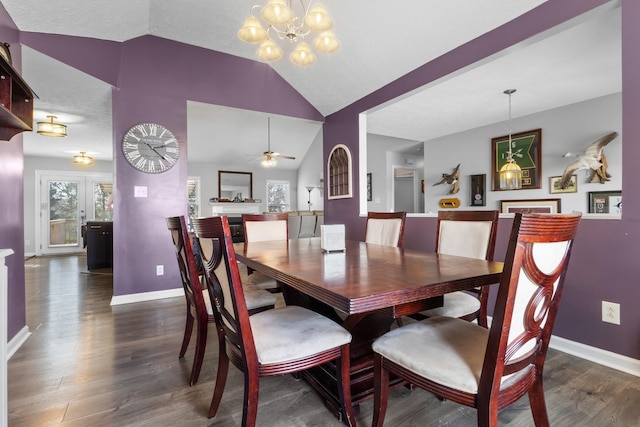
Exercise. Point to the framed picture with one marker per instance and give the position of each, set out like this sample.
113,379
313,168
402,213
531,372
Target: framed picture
605,202
526,149
554,185
530,206
369,190
478,183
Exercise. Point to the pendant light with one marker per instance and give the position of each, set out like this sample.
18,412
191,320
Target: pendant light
510,172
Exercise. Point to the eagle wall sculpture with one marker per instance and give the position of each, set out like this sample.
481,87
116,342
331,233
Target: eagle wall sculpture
593,160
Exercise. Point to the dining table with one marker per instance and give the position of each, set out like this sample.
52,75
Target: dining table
365,288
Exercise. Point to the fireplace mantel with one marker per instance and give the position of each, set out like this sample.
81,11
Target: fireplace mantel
234,209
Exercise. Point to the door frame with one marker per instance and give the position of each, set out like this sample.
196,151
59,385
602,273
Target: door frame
88,177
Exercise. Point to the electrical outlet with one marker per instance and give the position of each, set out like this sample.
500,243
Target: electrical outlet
159,270
611,312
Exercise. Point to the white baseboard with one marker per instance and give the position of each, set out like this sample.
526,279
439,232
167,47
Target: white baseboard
16,342
597,355
146,296
594,354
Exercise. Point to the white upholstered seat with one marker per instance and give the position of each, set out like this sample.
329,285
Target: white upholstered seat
262,228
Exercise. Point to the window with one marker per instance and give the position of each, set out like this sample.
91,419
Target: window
193,195
339,172
278,196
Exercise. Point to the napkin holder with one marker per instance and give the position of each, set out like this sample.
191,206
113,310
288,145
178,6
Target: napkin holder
332,238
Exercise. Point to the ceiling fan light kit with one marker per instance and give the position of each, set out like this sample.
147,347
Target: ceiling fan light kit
282,22
270,158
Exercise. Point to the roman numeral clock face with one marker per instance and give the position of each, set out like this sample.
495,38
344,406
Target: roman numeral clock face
150,148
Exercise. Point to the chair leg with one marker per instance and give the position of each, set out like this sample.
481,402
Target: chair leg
187,333
221,379
251,392
201,345
538,405
380,391
344,386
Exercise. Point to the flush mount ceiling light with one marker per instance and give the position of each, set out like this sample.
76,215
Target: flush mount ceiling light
82,159
282,22
51,128
510,172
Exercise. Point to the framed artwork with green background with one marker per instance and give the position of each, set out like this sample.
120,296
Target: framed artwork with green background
526,148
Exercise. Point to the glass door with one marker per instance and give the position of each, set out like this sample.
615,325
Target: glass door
67,202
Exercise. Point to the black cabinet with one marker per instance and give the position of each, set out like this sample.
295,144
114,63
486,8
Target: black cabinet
99,236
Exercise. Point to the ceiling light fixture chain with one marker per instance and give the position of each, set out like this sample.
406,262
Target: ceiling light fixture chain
280,19
510,172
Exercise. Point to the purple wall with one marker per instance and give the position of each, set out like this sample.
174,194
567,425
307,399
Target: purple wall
604,264
12,200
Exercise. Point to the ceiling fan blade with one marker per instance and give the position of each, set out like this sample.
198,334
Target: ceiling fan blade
286,157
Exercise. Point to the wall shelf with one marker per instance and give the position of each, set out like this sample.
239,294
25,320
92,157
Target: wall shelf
16,102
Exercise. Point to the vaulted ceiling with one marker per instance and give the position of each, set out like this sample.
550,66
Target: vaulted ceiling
380,42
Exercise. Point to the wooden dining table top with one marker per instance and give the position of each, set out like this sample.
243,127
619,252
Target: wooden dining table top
365,277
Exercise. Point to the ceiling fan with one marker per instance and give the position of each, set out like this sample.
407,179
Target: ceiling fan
270,158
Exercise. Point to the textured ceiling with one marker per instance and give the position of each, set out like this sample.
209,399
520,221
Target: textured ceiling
378,45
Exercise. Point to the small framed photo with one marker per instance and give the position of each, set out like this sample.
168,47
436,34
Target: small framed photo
554,185
369,189
478,184
605,202
551,206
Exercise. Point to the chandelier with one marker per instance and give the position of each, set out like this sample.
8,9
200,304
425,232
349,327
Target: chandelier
510,172
282,22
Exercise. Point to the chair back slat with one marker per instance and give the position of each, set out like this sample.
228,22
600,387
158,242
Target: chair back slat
189,273
529,293
467,233
223,280
385,228
264,227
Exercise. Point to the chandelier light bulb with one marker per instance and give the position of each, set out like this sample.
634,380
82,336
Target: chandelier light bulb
252,31
303,55
269,51
276,12
318,19
326,42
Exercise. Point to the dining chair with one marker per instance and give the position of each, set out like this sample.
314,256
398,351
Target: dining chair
279,341
261,228
489,369
470,234
385,228
198,303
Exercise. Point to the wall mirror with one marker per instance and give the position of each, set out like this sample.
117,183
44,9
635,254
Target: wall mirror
235,184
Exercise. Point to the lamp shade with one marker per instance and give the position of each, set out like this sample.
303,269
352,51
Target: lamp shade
51,128
269,51
269,162
252,31
326,42
276,12
318,19
302,55
510,176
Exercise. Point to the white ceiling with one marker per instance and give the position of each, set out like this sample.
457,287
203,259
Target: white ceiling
377,47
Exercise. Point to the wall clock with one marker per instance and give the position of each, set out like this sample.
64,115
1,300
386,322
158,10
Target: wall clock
150,148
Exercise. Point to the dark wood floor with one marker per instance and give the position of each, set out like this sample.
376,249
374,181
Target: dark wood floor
90,364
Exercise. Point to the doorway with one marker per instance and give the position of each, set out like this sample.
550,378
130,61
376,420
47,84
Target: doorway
66,201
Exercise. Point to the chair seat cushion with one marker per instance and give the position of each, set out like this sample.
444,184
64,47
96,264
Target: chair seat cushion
262,281
257,298
293,332
456,304
446,350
